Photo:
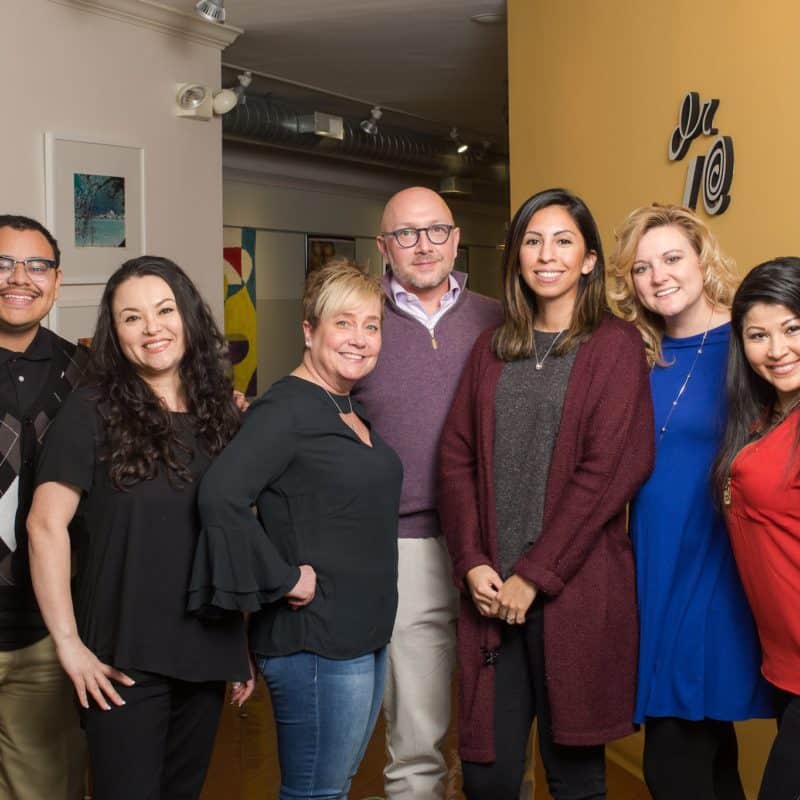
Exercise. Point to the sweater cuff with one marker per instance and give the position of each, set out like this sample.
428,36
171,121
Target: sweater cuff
543,579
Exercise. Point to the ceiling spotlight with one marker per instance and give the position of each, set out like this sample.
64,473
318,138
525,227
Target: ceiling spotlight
245,79
461,147
211,10
225,101
489,18
370,125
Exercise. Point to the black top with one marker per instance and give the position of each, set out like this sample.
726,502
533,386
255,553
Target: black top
324,498
33,385
134,570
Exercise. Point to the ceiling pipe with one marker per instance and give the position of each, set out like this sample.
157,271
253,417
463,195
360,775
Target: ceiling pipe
267,121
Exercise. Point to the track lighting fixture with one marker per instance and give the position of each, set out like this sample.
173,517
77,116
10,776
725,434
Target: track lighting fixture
370,125
211,10
461,147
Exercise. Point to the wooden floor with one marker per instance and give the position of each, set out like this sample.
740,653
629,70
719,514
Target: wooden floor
245,763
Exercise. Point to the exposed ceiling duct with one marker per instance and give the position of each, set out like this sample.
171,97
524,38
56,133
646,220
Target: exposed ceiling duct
267,121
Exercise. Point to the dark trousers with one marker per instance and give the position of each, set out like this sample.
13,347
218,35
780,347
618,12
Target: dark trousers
158,745
781,779
573,773
691,759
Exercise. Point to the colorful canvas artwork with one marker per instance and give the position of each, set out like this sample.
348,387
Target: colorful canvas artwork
240,311
99,210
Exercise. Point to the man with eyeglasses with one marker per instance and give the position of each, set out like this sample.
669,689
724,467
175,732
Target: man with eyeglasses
431,322
41,744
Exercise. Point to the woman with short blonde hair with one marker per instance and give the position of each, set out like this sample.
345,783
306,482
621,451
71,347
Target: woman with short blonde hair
318,565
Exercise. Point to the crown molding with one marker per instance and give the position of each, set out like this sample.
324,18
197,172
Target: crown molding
156,16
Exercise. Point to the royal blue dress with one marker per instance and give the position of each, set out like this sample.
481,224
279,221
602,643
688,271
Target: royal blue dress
699,654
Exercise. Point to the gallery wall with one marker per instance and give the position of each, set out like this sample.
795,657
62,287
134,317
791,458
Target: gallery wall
595,90
106,72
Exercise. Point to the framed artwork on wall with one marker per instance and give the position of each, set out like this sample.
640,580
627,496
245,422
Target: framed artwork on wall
95,205
320,249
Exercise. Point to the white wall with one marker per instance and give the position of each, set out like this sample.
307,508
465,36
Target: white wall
107,72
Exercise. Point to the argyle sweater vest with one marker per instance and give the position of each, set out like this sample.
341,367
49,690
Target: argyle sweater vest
20,440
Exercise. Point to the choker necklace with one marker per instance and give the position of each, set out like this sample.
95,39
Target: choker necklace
335,402
663,429
540,364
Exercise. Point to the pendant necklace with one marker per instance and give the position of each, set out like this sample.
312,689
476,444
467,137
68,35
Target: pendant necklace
663,428
338,407
540,364
777,418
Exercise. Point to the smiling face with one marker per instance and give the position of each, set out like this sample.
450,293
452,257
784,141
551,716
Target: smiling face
424,268
23,301
668,279
149,326
553,257
343,347
771,339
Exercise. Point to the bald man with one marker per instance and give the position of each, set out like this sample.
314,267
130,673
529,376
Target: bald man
431,322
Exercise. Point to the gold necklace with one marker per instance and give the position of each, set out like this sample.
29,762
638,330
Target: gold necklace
777,419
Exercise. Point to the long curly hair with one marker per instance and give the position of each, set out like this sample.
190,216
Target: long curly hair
139,431
719,276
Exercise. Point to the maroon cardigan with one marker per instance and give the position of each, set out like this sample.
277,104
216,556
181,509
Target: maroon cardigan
582,561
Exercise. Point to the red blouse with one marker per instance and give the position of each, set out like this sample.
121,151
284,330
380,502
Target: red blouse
764,524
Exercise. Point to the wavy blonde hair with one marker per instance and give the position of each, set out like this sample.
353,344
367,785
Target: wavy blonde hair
719,277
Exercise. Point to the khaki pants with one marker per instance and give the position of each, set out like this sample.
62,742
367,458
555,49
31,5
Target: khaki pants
421,662
42,748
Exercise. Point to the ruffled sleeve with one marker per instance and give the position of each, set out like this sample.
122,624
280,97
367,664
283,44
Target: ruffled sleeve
237,567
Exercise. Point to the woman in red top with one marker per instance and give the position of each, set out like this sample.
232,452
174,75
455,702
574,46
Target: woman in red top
758,474
549,436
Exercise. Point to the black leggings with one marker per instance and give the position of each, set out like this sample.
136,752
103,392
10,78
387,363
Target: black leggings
781,779
691,759
573,773
158,745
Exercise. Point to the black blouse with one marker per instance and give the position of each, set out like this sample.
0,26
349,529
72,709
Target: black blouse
134,568
323,498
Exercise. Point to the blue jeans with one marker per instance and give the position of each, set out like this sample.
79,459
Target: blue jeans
325,711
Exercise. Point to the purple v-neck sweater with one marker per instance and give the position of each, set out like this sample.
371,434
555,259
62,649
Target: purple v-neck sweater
409,393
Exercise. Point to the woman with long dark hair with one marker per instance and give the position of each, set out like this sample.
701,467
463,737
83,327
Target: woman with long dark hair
123,460
698,648
549,436
758,479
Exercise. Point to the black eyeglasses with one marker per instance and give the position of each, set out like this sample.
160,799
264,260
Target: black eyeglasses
408,237
37,269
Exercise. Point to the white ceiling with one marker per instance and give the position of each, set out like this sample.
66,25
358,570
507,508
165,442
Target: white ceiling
422,57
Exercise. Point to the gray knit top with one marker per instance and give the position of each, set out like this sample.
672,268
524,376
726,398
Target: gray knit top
528,407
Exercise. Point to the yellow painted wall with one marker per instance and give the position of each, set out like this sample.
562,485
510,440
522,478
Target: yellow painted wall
595,89
594,93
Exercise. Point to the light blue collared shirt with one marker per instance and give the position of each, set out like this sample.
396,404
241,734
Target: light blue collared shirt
409,302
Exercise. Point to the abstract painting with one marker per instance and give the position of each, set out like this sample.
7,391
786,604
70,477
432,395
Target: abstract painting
99,210
240,311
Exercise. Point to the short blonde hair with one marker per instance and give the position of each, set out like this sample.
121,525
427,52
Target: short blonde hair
719,278
335,286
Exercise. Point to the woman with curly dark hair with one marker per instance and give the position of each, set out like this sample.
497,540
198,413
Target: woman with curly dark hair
123,461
